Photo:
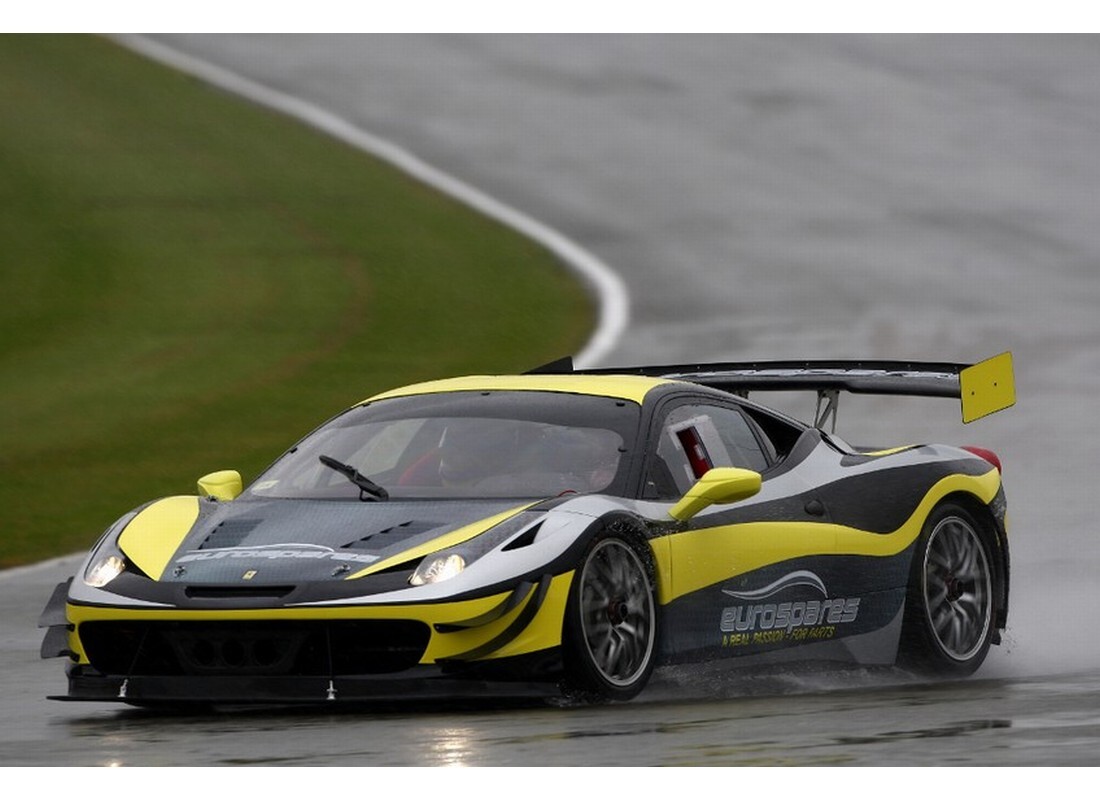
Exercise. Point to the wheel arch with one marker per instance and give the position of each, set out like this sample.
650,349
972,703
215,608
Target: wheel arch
994,531
581,680
636,530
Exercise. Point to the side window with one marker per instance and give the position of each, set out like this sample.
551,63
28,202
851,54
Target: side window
693,438
741,440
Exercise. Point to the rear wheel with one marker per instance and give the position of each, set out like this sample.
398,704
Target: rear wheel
610,629
949,608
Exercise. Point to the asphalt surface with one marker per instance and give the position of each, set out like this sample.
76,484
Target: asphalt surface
760,197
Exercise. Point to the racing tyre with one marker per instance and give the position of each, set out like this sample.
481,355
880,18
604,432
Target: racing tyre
610,630
949,608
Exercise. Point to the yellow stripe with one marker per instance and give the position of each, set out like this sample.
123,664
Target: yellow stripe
623,387
890,451
543,632
711,555
662,560
154,535
431,613
451,539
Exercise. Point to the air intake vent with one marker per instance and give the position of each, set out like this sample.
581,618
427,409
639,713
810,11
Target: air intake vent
251,592
526,538
250,647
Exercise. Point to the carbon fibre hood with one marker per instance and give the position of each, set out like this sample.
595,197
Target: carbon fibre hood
281,541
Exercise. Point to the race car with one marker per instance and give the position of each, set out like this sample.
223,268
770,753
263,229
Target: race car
557,532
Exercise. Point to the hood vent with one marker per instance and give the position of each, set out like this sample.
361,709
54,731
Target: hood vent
395,532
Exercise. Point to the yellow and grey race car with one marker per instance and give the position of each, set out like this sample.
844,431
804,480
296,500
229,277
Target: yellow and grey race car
556,531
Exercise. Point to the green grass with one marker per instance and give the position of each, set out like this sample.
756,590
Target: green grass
191,283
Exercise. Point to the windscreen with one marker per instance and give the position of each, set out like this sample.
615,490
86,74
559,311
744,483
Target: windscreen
463,445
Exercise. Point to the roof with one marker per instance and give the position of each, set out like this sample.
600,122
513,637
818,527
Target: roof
622,387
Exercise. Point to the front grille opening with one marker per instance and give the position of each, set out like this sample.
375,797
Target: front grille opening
252,592
337,647
232,654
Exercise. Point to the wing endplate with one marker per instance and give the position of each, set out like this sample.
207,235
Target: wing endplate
987,387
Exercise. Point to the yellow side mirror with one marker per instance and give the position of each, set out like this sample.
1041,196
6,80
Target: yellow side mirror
719,485
223,485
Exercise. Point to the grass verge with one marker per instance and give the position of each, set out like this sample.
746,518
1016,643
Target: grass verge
191,283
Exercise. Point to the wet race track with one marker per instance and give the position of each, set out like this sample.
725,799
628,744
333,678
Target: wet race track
691,717
760,197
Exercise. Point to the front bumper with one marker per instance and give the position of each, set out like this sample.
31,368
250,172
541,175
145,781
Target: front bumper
504,644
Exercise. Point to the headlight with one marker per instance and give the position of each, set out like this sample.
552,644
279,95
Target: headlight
104,571
438,568
448,563
107,561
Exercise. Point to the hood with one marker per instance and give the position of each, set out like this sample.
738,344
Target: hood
279,540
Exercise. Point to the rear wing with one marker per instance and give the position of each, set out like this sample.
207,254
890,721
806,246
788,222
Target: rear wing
983,388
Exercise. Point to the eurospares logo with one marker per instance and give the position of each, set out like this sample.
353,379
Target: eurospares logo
788,617
277,552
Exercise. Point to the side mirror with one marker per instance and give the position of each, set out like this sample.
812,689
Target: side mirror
223,485
719,485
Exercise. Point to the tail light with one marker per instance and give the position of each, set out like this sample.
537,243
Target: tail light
988,455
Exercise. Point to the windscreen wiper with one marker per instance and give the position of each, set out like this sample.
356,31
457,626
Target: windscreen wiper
368,489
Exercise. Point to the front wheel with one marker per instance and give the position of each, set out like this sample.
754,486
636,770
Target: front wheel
610,628
949,609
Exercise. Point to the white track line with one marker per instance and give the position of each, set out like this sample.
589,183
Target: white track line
611,295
